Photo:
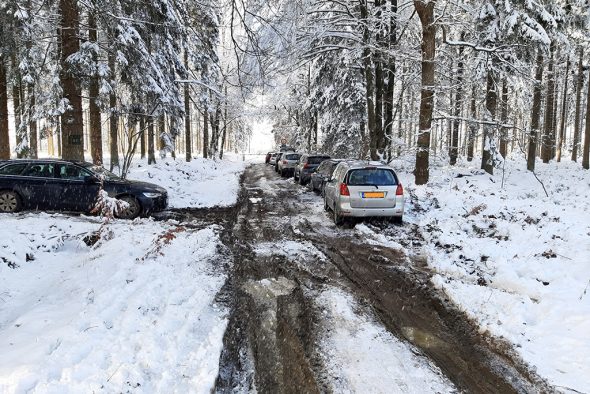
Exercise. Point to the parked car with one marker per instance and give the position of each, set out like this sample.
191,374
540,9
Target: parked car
321,175
72,186
268,156
286,166
277,160
361,189
273,159
306,166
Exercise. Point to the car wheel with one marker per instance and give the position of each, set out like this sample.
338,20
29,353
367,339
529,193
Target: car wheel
338,219
132,211
397,219
301,181
10,201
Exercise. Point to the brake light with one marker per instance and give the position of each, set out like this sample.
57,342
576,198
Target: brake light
284,161
400,190
306,166
344,190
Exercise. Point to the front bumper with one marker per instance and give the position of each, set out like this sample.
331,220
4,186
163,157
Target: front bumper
153,204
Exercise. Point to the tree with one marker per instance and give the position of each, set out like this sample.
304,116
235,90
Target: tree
425,11
586,154
72,124
535,115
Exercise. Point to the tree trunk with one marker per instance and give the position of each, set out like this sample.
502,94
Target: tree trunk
578,115
369,81
390,87
487,155
378,142
454,143
187,117
536,114
94,109
546,143
33,138
472,126
205,133
586,155
142,134
425,10
563,112
151,143
161,133
16,105
114,120
504,120
4,134
71,120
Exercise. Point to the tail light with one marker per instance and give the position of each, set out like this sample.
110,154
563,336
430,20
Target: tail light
344,190
306,166
400,190
284,161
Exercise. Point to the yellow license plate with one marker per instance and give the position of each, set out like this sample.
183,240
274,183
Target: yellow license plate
374,195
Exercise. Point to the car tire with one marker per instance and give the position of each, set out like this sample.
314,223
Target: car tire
10,201
301,181
133,211
397,219
338,219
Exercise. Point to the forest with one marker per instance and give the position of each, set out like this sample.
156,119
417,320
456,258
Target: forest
474,80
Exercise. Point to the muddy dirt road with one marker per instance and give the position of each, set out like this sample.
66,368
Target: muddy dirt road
291,331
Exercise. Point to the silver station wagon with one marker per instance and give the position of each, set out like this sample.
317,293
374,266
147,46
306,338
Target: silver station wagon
361,189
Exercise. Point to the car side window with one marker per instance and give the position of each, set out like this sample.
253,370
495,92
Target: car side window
13,169
39,170
71,172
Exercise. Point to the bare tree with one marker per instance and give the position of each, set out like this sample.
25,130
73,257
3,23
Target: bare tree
578,115
4,134
536,114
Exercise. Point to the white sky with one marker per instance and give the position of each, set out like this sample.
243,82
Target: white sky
262,137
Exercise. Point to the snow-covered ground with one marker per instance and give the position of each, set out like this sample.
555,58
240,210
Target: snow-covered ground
362,357
87,306
202,183
515,260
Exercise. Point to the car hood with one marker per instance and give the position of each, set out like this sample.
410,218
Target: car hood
145,186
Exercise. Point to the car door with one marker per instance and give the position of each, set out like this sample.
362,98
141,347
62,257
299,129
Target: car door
332,186
38,186
77,192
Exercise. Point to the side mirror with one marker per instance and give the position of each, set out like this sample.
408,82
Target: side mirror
91,180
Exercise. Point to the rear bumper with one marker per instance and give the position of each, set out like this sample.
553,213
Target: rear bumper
348,211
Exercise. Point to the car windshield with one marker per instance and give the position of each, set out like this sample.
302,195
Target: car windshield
292,157
98,170
317,159
371,177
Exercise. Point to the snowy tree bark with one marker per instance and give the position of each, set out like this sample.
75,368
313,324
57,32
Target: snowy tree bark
472,125
33,138
578,115
4,134
586,153
548,131
205,133
536,114
487,156
151,141
72,139
454,142
563,112
114,118
368,70
425,10
94,108
504,120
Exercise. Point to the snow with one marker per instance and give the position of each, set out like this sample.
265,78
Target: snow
513,259
89,305
201,183
134,311
362,357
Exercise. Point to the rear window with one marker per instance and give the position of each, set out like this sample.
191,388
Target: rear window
292,157
371,176
13,169
317,159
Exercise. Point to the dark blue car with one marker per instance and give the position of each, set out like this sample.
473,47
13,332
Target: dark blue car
59,185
